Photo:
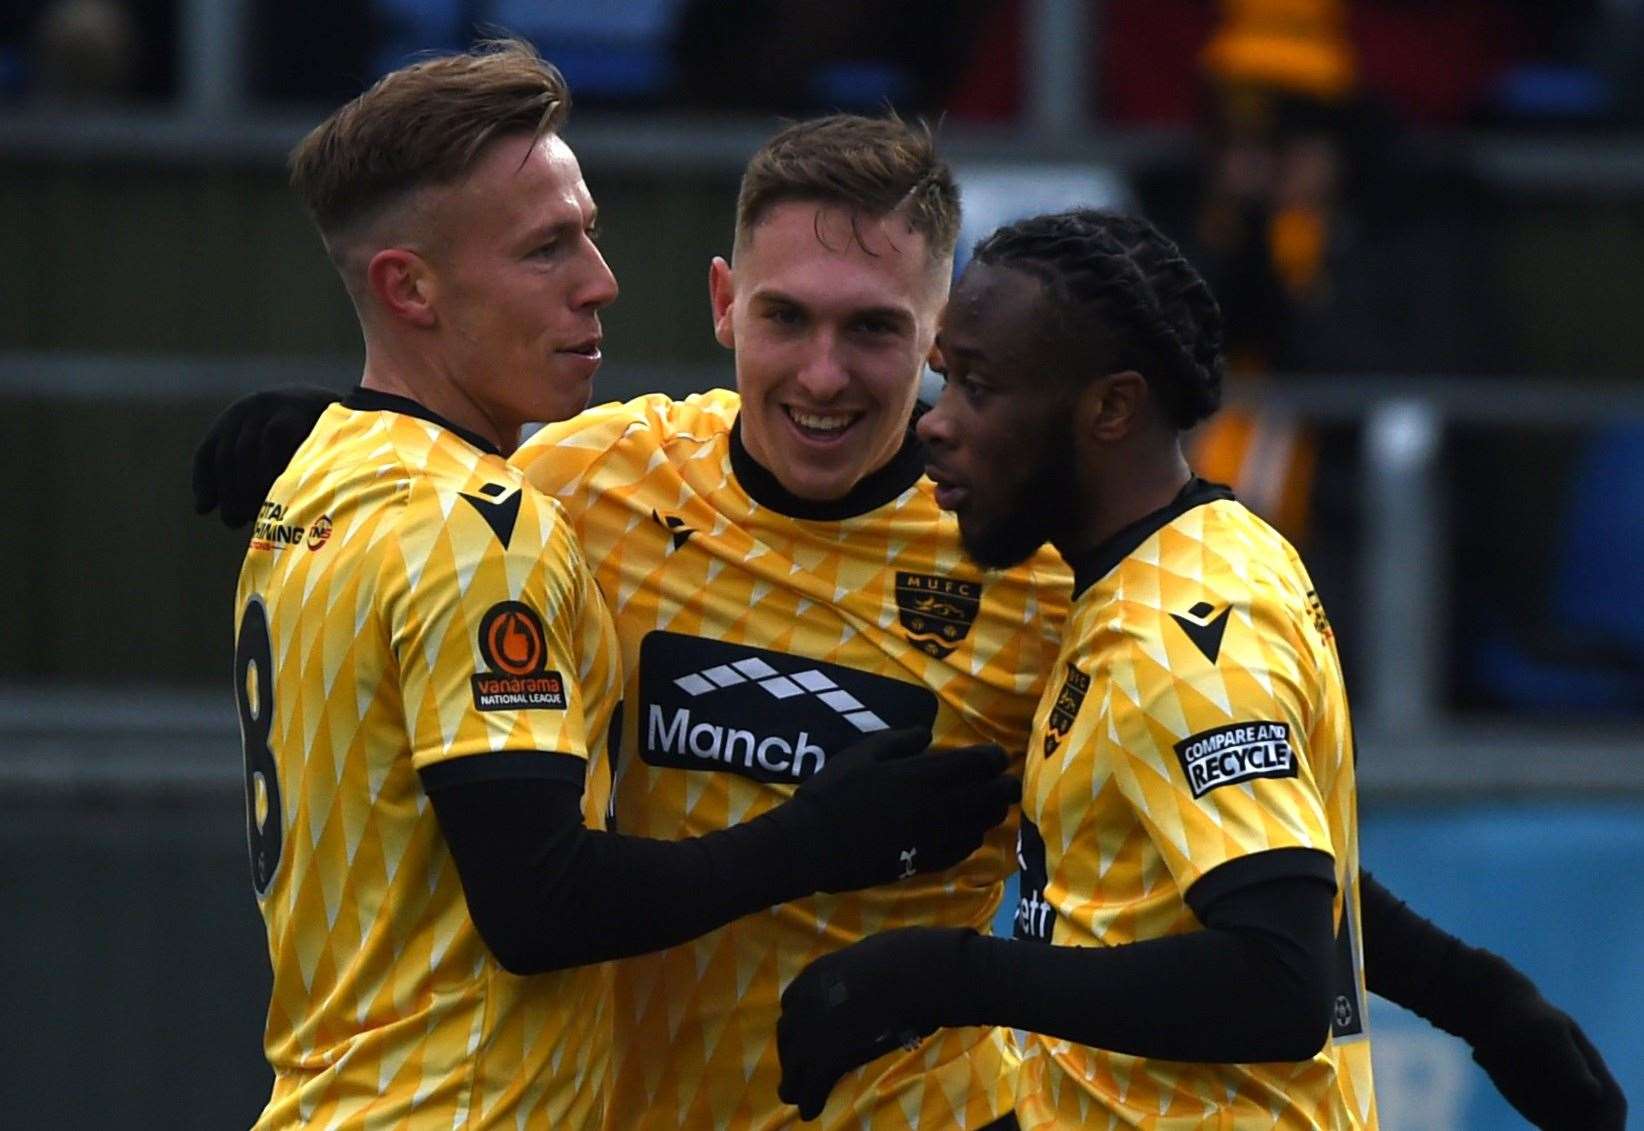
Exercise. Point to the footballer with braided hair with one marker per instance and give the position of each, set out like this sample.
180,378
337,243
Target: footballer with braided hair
1188,845
1188,949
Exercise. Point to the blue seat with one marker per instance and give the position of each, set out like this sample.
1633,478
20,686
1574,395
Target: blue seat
1591,656
1599,585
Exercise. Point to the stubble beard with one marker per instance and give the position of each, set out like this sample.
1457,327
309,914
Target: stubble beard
1040,505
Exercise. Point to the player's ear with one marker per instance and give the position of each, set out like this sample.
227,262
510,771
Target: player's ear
403,282
1111,407
721,294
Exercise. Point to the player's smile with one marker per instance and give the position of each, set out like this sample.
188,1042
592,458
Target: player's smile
820,426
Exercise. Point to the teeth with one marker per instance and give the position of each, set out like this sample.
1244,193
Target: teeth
818,422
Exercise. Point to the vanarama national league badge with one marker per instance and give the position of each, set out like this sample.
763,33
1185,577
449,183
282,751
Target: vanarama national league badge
515,650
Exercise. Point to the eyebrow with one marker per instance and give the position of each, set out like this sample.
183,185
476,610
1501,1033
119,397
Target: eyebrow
541,232
948,349
893,313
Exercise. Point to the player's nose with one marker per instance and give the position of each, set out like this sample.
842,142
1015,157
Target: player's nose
598,286
822,373
935,427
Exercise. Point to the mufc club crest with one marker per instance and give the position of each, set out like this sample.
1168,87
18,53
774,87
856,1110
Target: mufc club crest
936,612
1068,702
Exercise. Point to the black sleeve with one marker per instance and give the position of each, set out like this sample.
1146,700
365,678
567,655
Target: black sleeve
1254,985
547,893
1403,953
1406,957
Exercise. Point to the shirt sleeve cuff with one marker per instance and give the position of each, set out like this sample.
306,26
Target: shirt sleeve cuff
1259,868
505,765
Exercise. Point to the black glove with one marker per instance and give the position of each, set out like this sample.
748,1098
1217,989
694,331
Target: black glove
249,444
890,990
1537,1056
886,807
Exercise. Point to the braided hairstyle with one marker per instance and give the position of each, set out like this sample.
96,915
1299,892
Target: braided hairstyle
1120,274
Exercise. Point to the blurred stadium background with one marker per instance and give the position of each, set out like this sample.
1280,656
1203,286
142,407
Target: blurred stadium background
1426,220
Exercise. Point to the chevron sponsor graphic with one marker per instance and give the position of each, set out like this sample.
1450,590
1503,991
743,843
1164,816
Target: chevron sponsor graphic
766,715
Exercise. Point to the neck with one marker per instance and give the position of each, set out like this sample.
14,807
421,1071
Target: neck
1118,487
398,368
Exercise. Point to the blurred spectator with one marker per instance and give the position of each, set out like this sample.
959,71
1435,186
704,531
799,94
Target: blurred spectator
87,50
1332,250
1432,62
1335,248
1260,217
84,51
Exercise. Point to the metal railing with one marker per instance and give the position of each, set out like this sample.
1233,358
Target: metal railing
1408,742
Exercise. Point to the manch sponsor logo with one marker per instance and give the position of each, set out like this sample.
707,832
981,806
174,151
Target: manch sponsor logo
762,714
796,757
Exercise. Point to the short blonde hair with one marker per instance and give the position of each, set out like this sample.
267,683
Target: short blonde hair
424,124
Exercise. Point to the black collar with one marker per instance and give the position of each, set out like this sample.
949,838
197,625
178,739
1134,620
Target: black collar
874,491
1091,567
375,400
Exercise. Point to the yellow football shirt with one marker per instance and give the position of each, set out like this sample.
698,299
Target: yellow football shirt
759,634
1196,715
408,602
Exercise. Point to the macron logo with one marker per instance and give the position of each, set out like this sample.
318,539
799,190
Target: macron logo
778,686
